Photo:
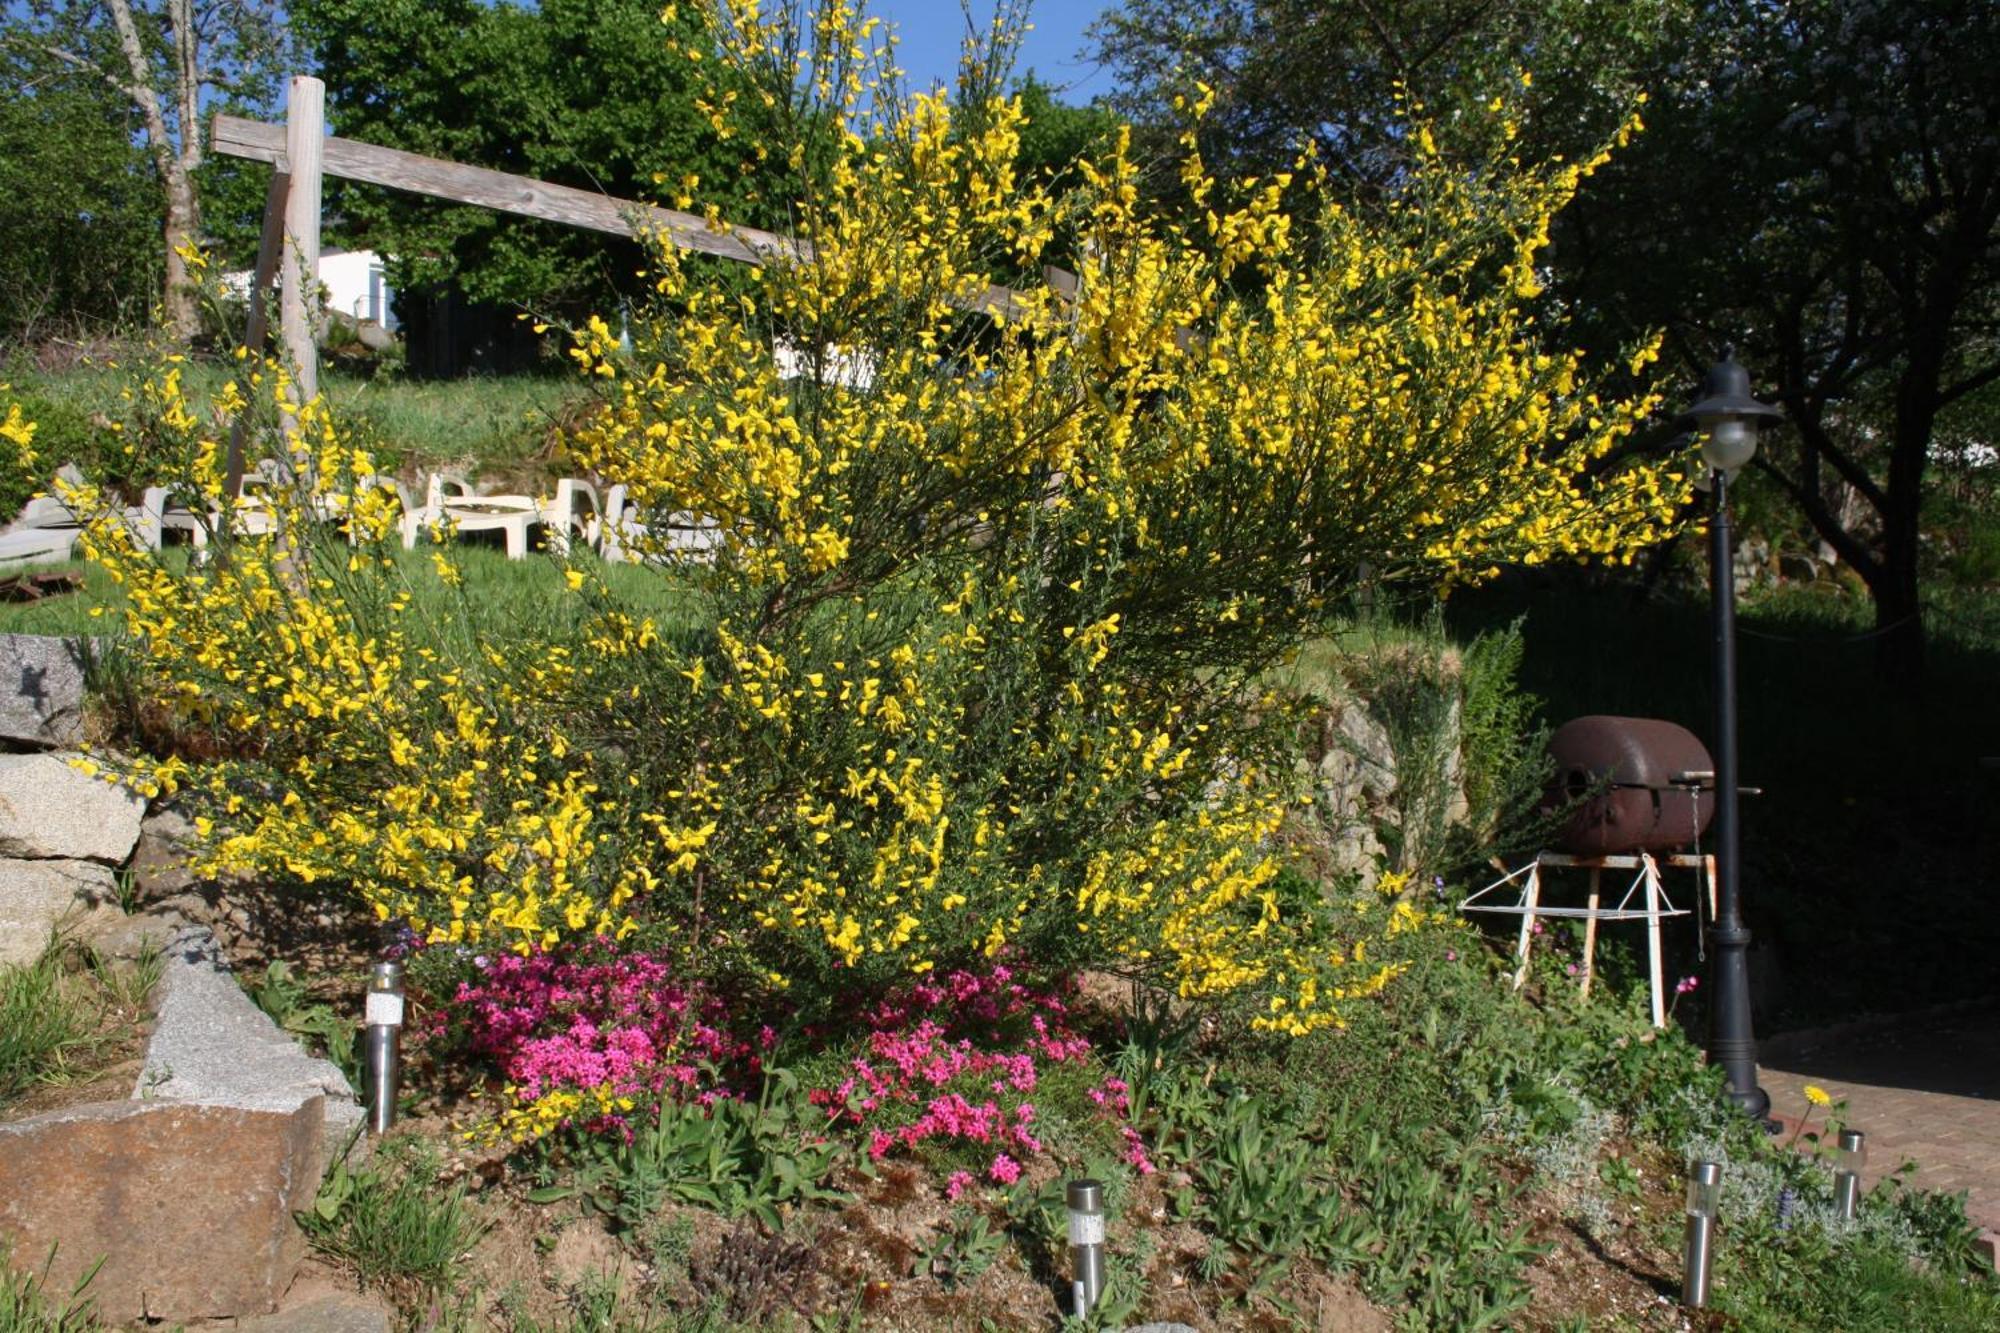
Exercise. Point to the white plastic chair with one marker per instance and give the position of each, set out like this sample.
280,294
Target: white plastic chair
576,512
625,535
450,501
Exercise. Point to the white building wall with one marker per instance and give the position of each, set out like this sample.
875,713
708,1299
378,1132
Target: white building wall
351,282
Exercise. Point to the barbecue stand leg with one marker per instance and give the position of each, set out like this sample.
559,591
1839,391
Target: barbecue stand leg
1531,898
1652,873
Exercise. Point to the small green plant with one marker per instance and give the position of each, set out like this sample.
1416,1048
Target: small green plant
1621,1177
754,1278
735,1157
26,1306
1124,1289
129,989
284,997
1257,1181
392,1223
50,1022
668,1241
963,1249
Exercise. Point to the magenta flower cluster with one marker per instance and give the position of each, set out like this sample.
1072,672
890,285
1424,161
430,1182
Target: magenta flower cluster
595,1017
923,1078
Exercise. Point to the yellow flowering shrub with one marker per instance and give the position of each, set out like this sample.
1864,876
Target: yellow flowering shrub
983,590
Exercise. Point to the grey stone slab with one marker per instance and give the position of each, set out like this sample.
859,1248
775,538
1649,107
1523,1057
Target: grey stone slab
38,896
340,1313
49,809
41,689
212,1044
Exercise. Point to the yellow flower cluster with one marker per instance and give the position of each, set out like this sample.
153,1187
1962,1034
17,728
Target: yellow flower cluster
526,1122
994,573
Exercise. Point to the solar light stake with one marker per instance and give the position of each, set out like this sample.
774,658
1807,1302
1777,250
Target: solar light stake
384,1017
1086,1244
1853,1154
1704,1190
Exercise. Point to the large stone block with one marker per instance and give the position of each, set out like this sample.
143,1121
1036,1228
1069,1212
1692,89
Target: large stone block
37,896
41,689
189,1206
50,810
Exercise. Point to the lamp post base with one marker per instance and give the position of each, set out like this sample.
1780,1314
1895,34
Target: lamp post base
1732,1043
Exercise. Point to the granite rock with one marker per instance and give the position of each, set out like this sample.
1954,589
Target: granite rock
36,897
212,1044
50,810
41,689
189,1206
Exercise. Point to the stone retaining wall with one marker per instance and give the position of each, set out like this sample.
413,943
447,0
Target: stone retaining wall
186,1190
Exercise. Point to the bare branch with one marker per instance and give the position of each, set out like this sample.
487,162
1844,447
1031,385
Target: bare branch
89,67
142,92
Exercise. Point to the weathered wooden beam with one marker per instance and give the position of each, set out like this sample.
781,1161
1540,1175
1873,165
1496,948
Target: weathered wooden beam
233,136
269,243
349,159
298,297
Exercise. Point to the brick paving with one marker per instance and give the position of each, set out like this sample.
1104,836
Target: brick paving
1922,1086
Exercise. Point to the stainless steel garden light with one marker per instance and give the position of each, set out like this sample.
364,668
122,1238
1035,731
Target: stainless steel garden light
1086,1244
384,1016
1848,1161
1704,1193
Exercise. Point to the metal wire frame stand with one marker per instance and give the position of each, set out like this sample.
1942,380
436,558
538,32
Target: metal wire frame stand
1647,887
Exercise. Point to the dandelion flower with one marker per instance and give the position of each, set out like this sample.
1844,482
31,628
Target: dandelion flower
1817,1095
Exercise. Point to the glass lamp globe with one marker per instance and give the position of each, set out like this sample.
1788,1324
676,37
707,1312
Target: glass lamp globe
1731,443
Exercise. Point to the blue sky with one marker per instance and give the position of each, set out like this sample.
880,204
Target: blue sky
932,30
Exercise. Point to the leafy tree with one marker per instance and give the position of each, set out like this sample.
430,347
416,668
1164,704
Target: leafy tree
79,214
596,94
169,61
1340,75
1820,184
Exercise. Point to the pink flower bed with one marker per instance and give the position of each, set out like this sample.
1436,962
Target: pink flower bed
580,1033
593,1017
921,1080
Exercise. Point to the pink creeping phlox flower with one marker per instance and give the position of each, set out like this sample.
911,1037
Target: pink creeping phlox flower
923,1077
595,1017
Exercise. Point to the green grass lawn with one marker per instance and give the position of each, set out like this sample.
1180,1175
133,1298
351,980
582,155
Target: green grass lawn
502,429
504,596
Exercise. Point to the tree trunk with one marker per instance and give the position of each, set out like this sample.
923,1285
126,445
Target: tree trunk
176,168
183,228
1899,625
1899,622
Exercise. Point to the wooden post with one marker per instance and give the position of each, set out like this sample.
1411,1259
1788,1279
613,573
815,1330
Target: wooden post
1590,930
269,245
305,135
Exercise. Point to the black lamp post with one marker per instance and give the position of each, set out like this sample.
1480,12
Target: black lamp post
1728,417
